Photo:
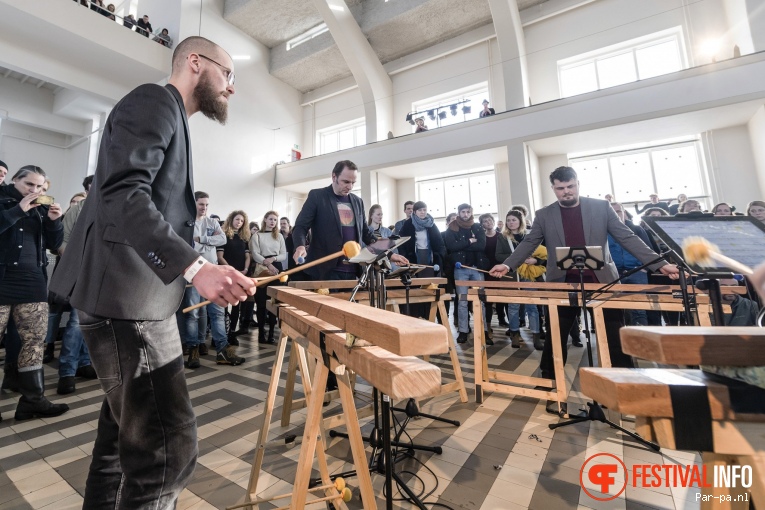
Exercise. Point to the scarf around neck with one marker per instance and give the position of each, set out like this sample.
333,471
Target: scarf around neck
422,224
458,223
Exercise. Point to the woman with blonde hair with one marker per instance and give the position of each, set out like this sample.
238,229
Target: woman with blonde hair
375,222
269,251
236,253
532,270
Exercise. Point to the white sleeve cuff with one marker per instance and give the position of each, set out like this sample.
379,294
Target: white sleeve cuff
194,269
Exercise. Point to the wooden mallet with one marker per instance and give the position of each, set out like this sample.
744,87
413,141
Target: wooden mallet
350,250
459,265
700,252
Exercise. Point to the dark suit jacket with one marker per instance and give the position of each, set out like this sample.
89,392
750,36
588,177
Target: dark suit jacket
132,241
599,220
319,214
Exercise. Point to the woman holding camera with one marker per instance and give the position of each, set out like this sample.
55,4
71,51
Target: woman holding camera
29,225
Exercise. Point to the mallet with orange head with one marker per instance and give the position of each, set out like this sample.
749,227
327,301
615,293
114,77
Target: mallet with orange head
350,250
700,252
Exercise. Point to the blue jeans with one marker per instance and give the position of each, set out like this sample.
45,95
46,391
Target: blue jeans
637,317
514,317
146,447
195,322
74,352
462,306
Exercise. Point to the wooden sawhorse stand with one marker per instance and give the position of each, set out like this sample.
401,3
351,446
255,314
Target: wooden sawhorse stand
394,375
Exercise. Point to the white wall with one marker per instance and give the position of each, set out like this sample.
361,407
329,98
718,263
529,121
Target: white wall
24,145
731,165
606,22
756,127
406,189
234,163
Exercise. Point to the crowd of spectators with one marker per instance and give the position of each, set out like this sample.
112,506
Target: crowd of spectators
141,26
267,247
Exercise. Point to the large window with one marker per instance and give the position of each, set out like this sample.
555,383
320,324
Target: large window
430,108
633,60
631,176
444,195
343,136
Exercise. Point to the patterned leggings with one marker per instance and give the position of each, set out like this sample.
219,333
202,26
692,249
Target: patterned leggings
32,323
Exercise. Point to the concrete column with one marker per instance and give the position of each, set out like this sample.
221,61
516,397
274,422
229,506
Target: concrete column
512,50
520,178
368,188
406,189
504,199
374,83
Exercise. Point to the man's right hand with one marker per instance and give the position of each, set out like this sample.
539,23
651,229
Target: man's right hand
499,271
299,252
223,285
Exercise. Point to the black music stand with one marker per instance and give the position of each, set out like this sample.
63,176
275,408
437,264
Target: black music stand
739,237
584,258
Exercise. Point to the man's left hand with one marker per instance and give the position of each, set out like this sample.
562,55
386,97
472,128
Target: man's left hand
399,259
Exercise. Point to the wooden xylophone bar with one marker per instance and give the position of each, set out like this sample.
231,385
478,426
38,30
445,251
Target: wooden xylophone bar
423,290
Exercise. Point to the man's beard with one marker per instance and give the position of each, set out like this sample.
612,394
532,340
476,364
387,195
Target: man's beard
568,202
208,100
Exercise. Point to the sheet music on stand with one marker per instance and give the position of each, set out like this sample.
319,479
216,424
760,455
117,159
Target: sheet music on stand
738,237
371,253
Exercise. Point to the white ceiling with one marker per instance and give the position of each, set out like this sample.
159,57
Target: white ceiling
15,75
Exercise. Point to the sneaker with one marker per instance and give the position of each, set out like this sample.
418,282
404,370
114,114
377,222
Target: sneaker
228,357
193,358
488,337
65,385
203,351
86,372
462,338
539,341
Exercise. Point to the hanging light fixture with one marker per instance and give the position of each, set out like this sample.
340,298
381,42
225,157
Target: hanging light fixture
453,108
442,115
432,114
466,109
409,119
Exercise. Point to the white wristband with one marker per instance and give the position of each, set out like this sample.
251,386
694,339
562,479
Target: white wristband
192,271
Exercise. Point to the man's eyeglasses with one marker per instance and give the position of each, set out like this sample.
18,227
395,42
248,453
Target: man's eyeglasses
229,73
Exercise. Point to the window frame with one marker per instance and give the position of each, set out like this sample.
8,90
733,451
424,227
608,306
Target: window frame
352,125
631,46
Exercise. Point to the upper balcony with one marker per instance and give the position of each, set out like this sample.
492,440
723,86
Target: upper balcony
657,100
66,44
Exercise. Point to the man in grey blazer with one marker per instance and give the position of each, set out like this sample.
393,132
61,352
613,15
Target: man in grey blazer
125,269
580,221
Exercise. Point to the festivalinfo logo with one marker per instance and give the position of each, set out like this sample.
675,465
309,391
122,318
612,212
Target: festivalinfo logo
604,477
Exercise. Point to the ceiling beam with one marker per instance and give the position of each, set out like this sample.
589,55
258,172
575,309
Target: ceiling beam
40,83
24,79
7,73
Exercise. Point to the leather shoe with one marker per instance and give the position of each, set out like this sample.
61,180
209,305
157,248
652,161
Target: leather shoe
203,351
65,385
86,372
577,343
462,338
